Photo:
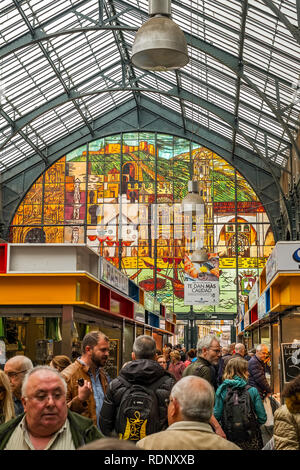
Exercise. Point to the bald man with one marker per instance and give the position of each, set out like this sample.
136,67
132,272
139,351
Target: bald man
47,423
190,409
16,368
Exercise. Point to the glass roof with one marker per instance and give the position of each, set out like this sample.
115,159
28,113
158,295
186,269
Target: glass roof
66,63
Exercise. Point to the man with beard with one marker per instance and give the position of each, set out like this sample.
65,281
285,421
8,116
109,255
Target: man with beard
86,380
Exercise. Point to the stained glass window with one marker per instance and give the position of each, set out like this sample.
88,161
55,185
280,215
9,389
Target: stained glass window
122,196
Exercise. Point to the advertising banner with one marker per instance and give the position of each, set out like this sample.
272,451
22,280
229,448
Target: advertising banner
113,276
285,257
201,281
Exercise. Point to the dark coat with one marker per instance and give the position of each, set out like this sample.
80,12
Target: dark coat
82,429
257,376
222,364
140,371
204,369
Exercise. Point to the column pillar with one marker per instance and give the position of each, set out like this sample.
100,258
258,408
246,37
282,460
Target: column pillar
66,331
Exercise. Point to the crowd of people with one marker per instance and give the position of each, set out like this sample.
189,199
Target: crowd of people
207,398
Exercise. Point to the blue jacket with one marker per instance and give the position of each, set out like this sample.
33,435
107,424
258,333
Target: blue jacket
238,382
257,376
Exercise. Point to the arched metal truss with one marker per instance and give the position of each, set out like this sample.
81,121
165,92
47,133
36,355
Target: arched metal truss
66,78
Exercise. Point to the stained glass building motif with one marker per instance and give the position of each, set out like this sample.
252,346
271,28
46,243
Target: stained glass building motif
103,194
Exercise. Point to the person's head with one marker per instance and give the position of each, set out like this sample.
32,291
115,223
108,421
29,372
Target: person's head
144,347
166,353
240,349
236,366
158,352
262,352
175,356
209,348
231,348
6,401
191,353
60,362
291,393
225,350
162,361
191,399
168,345
95,349
109,443
44,401
16,368
252,352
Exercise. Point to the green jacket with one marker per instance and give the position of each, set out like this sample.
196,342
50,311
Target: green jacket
82,429
238,382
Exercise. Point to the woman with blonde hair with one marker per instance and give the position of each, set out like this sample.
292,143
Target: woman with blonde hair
176,366
239,408
7,410
60,362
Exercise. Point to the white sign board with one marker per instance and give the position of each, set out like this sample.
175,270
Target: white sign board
254,294
285,257
261,306
201,281
112,276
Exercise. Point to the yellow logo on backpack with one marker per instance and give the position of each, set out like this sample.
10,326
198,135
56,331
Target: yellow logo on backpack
135,428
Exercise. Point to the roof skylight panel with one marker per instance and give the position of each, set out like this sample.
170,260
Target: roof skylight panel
219,128
241,141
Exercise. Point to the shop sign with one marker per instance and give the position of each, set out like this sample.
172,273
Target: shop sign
247,334
169,315
247,319
156,307
112,276
162,323
148,302
201,281
254,294
285,257
261,306
139,312
114,306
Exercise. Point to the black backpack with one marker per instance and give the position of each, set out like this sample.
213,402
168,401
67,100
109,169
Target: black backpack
239,420
138,412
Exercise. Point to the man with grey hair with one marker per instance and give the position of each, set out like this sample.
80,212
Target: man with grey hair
85,377
239,351
46,424
134,405
16,368
208,354
190,408
257,371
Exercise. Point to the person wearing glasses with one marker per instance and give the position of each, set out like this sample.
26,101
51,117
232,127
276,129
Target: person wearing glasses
47,423
190,408
7,410
208,354
16,368
257,371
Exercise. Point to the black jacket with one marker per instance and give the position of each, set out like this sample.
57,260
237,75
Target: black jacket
222,364
257,377
140,371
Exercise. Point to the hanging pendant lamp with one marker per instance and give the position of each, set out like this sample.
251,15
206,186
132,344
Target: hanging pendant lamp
159,44
191,202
